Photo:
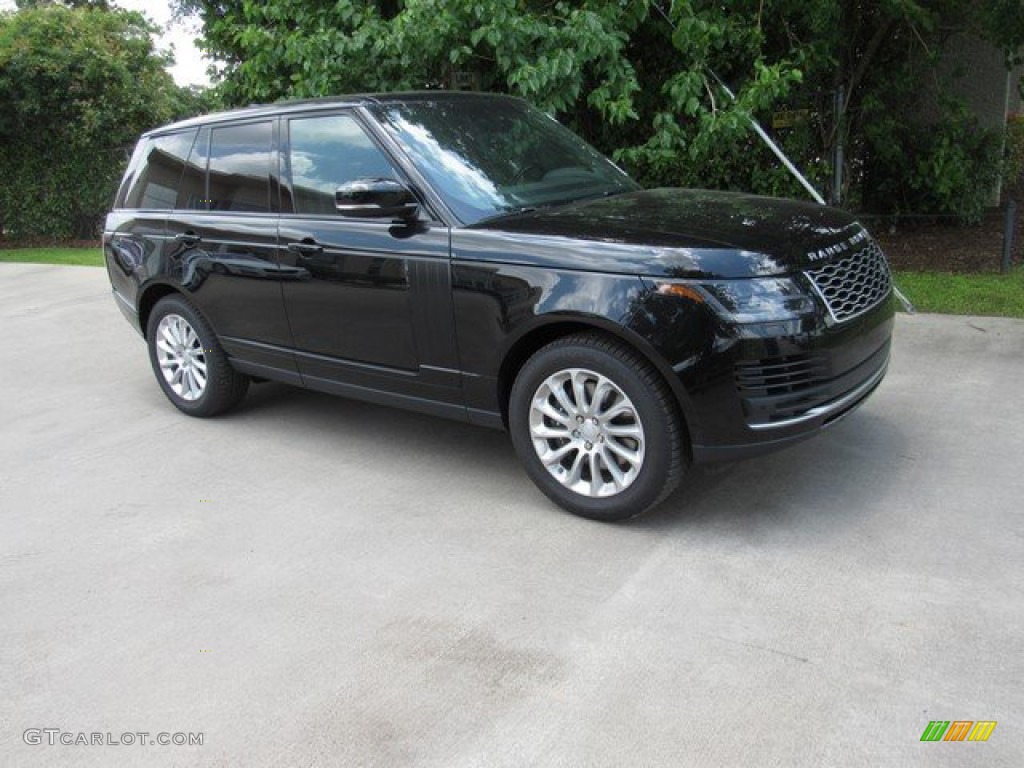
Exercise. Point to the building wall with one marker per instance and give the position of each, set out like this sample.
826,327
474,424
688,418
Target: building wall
1016,102
975,70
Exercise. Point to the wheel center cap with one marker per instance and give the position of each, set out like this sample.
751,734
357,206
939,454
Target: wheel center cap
590,432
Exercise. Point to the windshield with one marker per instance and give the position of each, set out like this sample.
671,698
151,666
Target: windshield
491,156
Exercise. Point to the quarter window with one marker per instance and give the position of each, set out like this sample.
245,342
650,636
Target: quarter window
156,183
325,153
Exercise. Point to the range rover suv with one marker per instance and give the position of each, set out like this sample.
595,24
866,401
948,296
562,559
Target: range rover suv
467,256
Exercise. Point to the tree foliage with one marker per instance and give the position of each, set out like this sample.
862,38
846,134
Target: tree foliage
640,78
78,85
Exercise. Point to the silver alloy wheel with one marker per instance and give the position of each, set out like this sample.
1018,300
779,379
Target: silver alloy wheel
587,432
181,357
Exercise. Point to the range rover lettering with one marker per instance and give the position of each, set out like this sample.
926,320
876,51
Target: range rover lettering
466,256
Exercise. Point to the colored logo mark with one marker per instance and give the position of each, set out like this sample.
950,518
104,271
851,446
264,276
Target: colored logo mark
958,730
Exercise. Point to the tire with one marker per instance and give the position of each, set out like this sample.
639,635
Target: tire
182,347
636,443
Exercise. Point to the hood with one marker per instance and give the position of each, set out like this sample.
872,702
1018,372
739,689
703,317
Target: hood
684,233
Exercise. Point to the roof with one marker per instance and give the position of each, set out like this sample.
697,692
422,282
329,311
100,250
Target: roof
359,99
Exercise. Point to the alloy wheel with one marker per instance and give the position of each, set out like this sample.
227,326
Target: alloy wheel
587,433
181,357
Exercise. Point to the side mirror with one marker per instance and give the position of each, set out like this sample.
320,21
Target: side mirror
375,198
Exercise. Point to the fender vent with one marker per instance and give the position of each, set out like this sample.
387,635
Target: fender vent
779,375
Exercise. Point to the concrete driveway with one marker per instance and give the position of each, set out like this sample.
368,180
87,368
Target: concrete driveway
313,581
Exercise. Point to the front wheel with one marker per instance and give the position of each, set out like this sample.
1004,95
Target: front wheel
596,428
190,365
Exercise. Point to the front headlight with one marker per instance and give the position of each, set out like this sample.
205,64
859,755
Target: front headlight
746,300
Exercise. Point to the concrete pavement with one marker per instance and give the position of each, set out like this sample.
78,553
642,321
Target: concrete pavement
315,581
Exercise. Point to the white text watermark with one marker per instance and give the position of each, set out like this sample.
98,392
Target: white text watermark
54,736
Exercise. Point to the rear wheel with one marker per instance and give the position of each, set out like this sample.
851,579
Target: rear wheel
189,364
596,428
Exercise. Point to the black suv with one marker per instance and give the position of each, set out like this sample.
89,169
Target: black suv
467,256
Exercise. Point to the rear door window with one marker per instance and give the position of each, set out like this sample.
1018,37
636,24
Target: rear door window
240,167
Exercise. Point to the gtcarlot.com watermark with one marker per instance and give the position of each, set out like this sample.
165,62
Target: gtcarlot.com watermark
58,736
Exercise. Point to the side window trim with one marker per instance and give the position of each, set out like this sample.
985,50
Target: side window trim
284,168
276,193
207,134
202,140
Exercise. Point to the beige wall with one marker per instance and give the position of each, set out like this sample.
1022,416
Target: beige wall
976,72
1016,103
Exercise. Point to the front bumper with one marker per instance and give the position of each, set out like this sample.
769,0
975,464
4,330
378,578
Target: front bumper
798,427
768,391
754,388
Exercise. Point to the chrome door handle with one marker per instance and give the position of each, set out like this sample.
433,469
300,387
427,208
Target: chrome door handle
305,248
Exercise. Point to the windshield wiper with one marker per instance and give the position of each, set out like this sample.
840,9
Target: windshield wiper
510,211
605,193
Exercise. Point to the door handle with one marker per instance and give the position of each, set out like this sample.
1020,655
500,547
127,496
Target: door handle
306,248
188,238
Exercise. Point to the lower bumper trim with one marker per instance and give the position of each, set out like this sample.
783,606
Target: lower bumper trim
828,409
826,415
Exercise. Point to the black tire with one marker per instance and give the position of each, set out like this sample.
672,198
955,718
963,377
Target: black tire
224,387
661,435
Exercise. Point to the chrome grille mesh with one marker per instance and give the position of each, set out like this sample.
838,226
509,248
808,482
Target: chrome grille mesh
854,283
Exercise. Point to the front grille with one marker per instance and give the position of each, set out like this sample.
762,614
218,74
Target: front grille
853,284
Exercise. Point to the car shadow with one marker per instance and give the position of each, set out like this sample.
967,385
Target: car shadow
379,427
823,481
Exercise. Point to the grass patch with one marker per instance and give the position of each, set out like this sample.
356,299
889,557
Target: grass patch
960,294
945,293
86,257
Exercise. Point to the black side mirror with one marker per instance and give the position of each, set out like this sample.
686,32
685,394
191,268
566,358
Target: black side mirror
375,198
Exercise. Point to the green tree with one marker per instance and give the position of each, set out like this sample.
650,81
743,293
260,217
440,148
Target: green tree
78,85
614,69
22,4
640,77
545,51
